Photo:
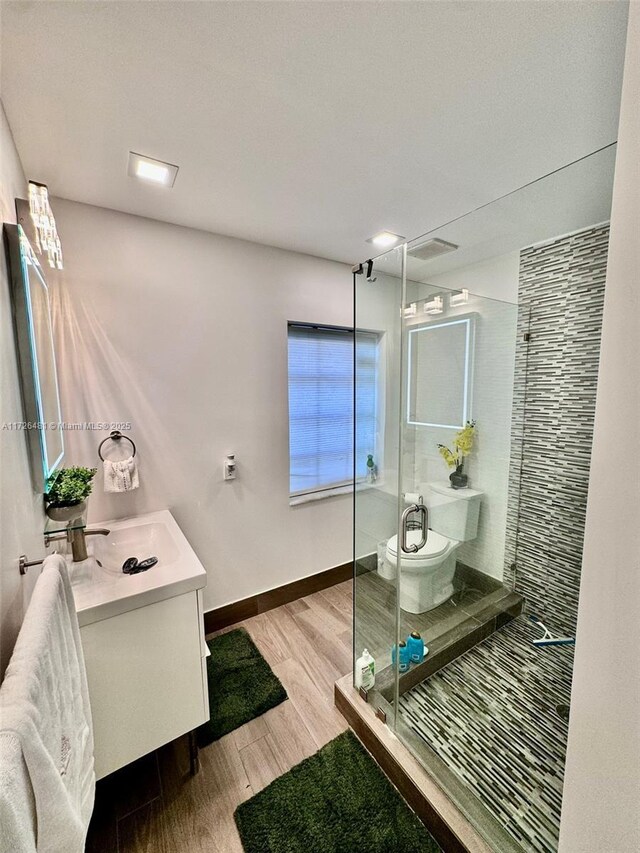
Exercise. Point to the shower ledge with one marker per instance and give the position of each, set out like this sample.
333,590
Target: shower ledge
489,614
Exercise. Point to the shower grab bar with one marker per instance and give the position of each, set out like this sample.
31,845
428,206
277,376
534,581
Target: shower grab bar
424,512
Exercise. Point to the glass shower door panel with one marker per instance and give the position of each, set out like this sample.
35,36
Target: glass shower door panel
459,352
378,300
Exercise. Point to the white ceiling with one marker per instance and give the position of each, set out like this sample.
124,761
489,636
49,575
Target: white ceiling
569,200
308,126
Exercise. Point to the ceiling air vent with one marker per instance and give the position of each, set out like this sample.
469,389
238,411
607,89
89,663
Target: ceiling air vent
431,249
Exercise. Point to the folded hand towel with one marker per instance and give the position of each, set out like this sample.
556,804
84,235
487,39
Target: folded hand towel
44,706
120,476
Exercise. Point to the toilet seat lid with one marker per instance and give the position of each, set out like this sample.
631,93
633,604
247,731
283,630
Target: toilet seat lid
436,545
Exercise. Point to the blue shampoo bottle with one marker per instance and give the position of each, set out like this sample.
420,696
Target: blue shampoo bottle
415,647
402,656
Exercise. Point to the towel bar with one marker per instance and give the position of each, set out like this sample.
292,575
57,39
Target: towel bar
24,564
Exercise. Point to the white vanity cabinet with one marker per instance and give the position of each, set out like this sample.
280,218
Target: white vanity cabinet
143,641
147,678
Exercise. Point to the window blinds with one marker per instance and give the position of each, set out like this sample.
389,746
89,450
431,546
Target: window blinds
321,433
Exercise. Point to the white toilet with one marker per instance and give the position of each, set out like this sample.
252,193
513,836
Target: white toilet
427,576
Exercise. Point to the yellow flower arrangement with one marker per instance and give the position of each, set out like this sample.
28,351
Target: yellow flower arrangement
462,444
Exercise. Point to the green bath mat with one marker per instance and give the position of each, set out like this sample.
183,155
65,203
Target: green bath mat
337,801
241,685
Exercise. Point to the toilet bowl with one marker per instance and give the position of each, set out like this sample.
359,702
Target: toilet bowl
426,577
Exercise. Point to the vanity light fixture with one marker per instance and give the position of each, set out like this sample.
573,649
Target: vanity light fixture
435,306
47,240
460,297
385,239
152,171
411,310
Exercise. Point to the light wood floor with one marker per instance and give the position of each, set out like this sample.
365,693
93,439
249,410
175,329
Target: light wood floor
155,806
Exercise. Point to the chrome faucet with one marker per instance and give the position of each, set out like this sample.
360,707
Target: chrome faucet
78,539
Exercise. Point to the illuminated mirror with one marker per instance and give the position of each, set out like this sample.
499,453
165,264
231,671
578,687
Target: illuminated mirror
440,397
37,359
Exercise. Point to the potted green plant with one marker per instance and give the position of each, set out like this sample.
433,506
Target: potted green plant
67,492
462,446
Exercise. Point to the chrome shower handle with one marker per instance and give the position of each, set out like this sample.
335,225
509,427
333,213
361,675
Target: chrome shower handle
424,512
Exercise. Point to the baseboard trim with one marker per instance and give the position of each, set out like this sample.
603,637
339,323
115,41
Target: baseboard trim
237,611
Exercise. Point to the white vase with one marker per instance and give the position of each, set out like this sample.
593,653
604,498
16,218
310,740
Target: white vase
66,513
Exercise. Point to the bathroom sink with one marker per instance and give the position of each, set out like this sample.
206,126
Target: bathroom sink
102,590
148,539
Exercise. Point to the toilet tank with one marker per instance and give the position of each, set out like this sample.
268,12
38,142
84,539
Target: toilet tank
453,512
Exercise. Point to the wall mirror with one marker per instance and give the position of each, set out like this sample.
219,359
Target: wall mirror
442,397
36,357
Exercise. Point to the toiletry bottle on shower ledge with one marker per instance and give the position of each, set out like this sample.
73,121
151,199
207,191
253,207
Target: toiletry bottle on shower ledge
401,655
365,674
416,647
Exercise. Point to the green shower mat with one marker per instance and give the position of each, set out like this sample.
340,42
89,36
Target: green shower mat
242,685
337,801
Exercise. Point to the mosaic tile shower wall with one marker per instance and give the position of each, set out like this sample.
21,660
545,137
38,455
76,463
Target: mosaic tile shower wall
561,289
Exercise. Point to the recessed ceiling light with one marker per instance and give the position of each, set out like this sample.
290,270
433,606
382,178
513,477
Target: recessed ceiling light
153,171
385,239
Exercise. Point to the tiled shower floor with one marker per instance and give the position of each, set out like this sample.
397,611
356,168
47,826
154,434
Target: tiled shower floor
491,716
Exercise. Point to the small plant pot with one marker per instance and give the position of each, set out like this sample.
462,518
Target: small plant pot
66,513
458,479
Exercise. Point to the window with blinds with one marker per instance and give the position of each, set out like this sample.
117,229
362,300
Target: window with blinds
321,429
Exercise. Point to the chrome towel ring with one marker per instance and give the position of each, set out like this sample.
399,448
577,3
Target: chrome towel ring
115,435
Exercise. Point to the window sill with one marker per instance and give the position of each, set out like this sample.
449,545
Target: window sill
296,500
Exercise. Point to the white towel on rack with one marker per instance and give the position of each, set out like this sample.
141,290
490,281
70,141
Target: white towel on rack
17,804
44,707
120,476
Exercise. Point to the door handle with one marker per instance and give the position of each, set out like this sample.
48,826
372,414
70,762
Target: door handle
424,512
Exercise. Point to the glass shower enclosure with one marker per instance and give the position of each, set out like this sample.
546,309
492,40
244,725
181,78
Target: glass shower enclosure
477,343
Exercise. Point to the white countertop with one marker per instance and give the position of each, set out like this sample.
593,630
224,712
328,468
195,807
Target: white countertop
103,591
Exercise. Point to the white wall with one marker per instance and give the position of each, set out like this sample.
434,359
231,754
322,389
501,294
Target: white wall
601,806
21,514
494,278
492,394
184,334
